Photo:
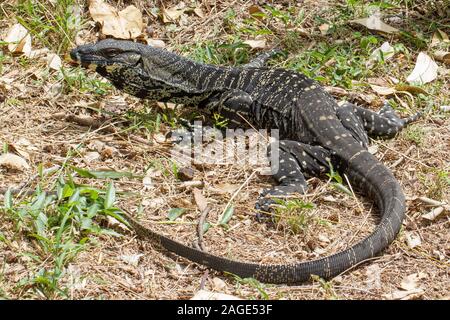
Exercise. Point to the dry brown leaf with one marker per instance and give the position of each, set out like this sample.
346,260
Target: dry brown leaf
424,71
324,28
443,56
200,200
433,214
410,89
410,282
19,40
174,13
412,240
255,11
199,12
218,284
256,44
439,37
378,82
131,259
384,91
226,187
374,22
125,24
12,161
54,61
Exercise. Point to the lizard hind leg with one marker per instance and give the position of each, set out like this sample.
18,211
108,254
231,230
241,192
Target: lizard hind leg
296,160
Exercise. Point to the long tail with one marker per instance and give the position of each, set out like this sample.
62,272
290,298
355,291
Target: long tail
379,183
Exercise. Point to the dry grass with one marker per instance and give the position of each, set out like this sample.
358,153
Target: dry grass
34,119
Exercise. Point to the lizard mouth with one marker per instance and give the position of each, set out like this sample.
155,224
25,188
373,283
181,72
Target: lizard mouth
87,60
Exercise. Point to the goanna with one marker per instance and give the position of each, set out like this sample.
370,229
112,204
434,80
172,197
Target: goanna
314,133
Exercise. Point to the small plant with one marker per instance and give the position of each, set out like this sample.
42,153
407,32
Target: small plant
60,224
337,181
415,134
260,287
295,213
327,286
53,24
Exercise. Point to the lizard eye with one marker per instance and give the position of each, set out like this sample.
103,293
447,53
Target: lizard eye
111,52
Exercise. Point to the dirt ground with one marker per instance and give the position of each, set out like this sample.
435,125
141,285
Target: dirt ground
42,120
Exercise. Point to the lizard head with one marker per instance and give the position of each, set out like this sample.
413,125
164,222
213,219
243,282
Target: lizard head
116,60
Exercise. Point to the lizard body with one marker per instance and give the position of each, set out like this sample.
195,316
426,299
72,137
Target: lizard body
314,132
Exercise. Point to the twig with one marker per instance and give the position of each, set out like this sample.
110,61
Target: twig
400,160
200,232
412,159
236,193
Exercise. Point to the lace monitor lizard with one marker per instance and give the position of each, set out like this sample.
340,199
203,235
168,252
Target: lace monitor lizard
314,132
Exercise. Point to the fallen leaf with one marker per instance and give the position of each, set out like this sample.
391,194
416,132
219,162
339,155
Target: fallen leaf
226,187
385,51
218,284
18,39
410,282
54,61
124,24
439,37
91,156
412,240
175,213
131,259
424,71
200,200
410,89
256,44
174,13
154,202
374,22
256,12
384,91
324,28
208,295
12,161
433,214
148,183
155,43
378,82
34,54
199,12
445,108
443,56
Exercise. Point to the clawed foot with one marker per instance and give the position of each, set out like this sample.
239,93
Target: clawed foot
388,112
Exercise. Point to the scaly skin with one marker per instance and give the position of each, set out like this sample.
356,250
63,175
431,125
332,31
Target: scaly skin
313,129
